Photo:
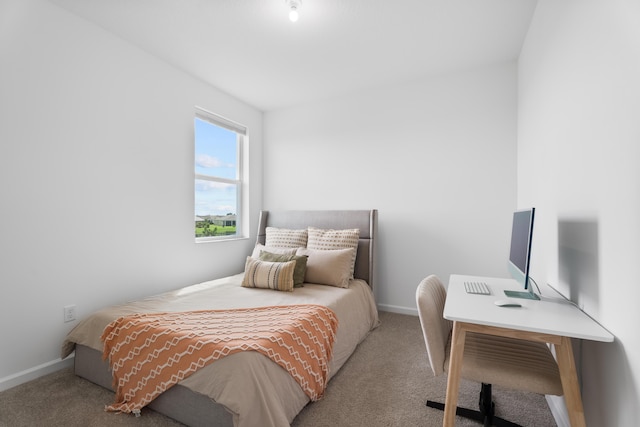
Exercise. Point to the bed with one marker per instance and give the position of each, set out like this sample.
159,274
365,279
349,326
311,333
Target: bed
247,388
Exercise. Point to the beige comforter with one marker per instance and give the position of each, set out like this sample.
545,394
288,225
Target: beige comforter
253,388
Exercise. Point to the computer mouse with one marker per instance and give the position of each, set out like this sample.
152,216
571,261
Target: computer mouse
507,303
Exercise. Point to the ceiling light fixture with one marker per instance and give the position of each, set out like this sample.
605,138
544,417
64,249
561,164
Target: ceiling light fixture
293,9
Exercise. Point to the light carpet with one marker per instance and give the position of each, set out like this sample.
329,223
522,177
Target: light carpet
386,382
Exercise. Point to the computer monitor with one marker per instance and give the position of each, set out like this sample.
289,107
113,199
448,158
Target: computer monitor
520,252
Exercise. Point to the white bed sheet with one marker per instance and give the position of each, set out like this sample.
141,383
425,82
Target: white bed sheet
249,385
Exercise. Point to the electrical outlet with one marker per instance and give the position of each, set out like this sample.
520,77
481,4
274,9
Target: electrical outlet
69,313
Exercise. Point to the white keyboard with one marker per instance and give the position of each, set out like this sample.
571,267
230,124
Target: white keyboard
479,288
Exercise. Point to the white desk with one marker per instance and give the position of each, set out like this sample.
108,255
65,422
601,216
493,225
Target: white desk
546,321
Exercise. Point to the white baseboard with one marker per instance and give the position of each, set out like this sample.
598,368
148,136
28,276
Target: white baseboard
558,409
35,372
398,309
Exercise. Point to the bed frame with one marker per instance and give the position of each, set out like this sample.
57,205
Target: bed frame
194,409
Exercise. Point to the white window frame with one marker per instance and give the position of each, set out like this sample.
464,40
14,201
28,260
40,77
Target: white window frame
240,182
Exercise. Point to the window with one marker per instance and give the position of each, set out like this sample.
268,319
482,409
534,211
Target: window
218,176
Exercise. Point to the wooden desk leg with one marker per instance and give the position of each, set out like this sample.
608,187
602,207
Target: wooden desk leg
570,385
453,379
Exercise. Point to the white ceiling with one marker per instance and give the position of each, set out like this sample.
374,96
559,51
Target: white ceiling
250,49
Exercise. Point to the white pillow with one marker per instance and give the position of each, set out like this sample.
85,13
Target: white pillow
285,238
282,251
328,267
328,239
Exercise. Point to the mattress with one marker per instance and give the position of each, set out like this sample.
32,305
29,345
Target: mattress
248,385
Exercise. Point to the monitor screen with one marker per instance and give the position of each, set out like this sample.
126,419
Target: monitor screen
520,252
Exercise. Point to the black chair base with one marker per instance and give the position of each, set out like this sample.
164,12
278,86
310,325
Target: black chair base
485,414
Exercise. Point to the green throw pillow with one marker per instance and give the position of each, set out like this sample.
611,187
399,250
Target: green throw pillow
298,272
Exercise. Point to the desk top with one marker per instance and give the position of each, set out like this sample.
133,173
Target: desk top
547,316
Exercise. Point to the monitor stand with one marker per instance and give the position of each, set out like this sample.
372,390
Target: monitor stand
522,295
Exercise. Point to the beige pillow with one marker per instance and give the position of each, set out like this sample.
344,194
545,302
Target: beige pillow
328,239
282,251
285,238
328,267
268,275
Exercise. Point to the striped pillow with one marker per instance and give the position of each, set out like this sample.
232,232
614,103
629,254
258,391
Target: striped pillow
268,275
335,239
285,238
298,272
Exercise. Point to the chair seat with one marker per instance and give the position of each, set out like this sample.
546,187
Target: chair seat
510,363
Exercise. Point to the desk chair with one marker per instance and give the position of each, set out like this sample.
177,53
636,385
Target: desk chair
507,362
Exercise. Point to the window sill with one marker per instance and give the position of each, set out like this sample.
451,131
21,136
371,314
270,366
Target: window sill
220,239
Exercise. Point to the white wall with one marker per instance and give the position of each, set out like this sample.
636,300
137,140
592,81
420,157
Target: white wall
96,159
436,157
578,153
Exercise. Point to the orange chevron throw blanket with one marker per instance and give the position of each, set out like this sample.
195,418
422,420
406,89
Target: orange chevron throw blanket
149,353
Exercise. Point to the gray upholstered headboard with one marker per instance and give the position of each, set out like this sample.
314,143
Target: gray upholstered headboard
365,220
